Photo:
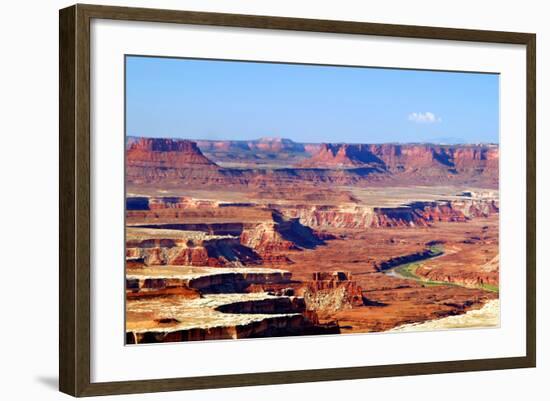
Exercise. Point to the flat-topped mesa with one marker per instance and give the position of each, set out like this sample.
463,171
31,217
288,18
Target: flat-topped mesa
172,163
275,144
397,158
165,152
178,303
264,144
220,316
413,214
190,248
170,202
156,280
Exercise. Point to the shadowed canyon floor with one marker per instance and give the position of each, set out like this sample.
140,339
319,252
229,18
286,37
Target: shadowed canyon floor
238,243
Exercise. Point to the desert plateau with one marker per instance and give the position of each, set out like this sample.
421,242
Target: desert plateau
230,239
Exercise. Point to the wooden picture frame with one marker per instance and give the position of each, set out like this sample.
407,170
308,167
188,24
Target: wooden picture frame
74,203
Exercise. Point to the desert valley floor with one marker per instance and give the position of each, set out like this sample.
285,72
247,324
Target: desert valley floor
237,239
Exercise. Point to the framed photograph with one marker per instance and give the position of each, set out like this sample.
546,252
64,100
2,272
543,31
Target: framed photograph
249,200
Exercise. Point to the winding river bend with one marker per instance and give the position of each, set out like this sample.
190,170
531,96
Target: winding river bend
406,270
486,316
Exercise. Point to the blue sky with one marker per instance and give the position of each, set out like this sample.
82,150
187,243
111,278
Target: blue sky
202,99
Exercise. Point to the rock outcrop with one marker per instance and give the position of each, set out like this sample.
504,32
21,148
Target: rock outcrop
189,248
216,306
202,280
264,144
414,214
343,155
331,291
276,162
421,159
161,152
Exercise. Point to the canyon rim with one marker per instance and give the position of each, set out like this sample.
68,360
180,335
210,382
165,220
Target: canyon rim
267,200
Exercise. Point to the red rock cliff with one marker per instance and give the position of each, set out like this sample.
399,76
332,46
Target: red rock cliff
161,152
408,158
343,155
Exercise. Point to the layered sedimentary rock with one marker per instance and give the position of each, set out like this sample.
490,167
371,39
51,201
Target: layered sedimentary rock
177,202
342,155
483,270
192,248
266,150
178,319
331,291
276,144
266,239
472,279
215,217
279,235
202,279
275,162
211,244
266,144
414,214
356,228
222,310
470,159
160,152
152,160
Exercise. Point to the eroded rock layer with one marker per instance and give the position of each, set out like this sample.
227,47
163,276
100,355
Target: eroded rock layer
410,215
174,162
220,307
421,159
270,237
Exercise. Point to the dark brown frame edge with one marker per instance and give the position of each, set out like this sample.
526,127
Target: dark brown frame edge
74,199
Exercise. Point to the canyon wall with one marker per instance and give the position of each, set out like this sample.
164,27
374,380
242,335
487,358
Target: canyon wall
423,159
411,215
159,152
174,161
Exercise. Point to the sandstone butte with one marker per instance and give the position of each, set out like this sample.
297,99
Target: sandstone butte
159,152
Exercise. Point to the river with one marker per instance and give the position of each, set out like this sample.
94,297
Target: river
487,316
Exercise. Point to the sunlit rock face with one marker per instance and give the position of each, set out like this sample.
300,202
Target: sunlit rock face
213,304
422,159
275,162
414,214
160,152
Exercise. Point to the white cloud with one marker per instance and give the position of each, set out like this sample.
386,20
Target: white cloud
425,118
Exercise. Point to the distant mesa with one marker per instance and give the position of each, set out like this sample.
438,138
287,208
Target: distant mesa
165,152
398,158
269,163
448,140
276,144
342,155
312,148
264,144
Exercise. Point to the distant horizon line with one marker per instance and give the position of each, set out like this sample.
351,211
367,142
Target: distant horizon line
274,138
